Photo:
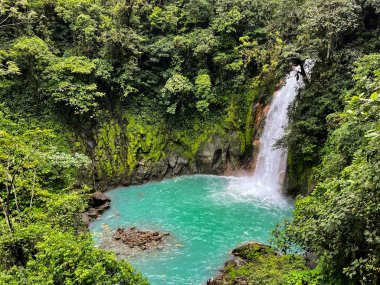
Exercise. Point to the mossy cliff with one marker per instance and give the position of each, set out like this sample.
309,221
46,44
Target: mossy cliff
135,148
130,151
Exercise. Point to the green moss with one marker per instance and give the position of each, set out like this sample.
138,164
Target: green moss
144,142
252,251
109,150
265,266
188,141
120,146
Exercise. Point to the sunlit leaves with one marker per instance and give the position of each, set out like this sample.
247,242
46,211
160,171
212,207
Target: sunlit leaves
176,92
165,19
66,258
31,55
203,92
68,82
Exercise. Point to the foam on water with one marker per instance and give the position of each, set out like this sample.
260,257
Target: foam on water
242,190
266,183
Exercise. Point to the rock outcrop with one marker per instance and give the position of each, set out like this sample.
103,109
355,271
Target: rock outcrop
170,166
130,151
241,256
135,238
256,263
99,203
220,153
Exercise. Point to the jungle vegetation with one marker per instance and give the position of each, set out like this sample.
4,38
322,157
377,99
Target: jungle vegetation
68,67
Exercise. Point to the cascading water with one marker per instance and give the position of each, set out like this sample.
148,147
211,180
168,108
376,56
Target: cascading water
267,180
271,161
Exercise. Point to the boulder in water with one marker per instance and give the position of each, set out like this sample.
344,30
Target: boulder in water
251,263
135,238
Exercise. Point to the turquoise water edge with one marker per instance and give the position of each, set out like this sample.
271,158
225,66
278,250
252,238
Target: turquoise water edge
205,223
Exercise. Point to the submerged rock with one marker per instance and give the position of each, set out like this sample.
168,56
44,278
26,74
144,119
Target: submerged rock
140,239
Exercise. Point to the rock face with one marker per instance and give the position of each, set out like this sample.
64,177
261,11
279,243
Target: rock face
220,154
100,199
259,114
167,167
127,152
141,239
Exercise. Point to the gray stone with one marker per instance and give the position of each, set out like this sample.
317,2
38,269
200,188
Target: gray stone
85,217
210,156
173,161
181,164
160,169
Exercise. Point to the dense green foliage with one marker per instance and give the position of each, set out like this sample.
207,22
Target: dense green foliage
334,142
114,64
75,53
65,258
91,89
40,233
262,265
340,220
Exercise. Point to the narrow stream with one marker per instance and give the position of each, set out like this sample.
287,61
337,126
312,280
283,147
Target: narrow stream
206,216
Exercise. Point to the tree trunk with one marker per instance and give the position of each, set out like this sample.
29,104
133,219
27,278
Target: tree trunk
33,189
6,215
329,48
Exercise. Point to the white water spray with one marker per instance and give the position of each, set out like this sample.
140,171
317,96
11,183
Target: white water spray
267,180
271,162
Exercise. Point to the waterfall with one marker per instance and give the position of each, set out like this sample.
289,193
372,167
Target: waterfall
271,162
267,180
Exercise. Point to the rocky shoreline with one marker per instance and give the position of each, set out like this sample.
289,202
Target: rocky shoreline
251,259
99,203
123,242
239,258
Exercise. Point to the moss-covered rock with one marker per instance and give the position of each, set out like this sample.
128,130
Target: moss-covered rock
255,263
133,151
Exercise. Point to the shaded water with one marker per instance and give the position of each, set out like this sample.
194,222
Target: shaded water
204,223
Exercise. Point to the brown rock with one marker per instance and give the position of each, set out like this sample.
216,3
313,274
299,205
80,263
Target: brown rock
99,198
218,280
144,240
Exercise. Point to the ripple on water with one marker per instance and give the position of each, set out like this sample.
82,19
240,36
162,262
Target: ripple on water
207,217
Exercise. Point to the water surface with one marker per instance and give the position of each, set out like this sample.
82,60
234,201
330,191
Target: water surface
207,217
